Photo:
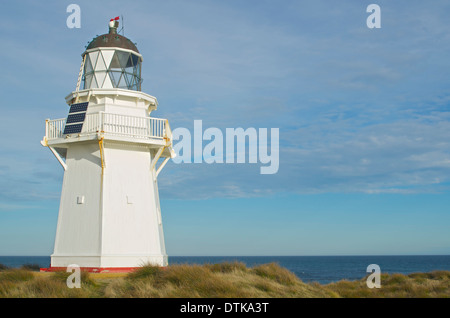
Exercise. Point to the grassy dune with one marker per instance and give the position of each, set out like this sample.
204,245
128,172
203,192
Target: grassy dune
418,285
230,280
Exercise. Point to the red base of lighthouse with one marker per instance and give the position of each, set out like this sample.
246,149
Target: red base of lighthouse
93,269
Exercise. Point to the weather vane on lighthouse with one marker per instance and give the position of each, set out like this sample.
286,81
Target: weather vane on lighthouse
110,149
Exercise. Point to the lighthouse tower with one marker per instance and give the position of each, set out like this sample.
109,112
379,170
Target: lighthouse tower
112,152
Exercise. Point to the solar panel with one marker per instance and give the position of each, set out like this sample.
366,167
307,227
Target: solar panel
75,119
80,107
73,129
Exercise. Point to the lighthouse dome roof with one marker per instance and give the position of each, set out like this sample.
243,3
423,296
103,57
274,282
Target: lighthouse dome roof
112,39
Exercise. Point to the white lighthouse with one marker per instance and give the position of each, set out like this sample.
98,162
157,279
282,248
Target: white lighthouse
112,152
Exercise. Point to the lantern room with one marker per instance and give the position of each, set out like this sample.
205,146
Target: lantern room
112,61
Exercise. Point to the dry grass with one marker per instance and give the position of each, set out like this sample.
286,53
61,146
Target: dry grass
25,283
31,267
275,272
417,285
16,275
224,280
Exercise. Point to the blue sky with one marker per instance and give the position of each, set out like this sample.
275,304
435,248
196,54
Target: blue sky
363,114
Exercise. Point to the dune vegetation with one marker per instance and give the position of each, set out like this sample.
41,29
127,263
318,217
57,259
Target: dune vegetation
223,280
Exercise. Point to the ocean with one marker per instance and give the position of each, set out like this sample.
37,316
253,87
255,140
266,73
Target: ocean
321,269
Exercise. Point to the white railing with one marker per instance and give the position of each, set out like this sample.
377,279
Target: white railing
114,124
54,128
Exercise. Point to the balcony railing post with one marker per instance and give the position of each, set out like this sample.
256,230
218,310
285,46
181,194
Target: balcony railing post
46,128
101,123
164,130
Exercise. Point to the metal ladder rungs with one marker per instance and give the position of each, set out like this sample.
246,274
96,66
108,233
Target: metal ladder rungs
80,75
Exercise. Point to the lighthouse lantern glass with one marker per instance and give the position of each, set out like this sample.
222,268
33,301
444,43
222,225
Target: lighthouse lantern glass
112,69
